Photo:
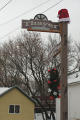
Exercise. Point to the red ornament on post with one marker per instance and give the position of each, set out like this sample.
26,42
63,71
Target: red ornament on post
51,97
63,15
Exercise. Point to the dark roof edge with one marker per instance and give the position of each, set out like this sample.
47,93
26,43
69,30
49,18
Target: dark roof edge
73,83
31,99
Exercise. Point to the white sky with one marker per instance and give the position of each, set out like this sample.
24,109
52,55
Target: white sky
17,7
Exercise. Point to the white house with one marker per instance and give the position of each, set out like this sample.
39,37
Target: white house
73,98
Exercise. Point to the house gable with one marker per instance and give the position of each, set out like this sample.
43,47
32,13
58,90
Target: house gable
20,90
15,96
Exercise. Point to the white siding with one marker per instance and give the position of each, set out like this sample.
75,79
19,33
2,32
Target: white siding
74,101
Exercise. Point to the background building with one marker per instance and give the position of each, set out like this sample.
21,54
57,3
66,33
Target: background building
15,105
73,98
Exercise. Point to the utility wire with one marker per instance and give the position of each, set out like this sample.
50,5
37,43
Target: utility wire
52,6
5,5
28,11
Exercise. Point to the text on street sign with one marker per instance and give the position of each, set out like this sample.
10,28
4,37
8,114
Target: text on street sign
43,26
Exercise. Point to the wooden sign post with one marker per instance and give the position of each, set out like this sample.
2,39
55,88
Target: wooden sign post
63,81
43,25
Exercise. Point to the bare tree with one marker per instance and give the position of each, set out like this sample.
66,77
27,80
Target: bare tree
23,64
24,61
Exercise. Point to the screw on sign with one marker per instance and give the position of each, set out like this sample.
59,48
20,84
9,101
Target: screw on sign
54,83
63,15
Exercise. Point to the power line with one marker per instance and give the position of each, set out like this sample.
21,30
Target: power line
52,6
5,5
28,11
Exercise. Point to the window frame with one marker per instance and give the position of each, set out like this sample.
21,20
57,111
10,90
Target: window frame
14,109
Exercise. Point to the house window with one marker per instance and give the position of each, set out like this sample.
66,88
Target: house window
11,109
17,109
14,109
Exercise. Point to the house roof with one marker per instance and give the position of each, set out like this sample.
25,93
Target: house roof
4,90
74,78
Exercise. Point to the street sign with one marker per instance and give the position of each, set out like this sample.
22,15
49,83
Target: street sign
41,26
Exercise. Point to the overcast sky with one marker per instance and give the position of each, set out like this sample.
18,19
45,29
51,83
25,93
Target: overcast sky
15,8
